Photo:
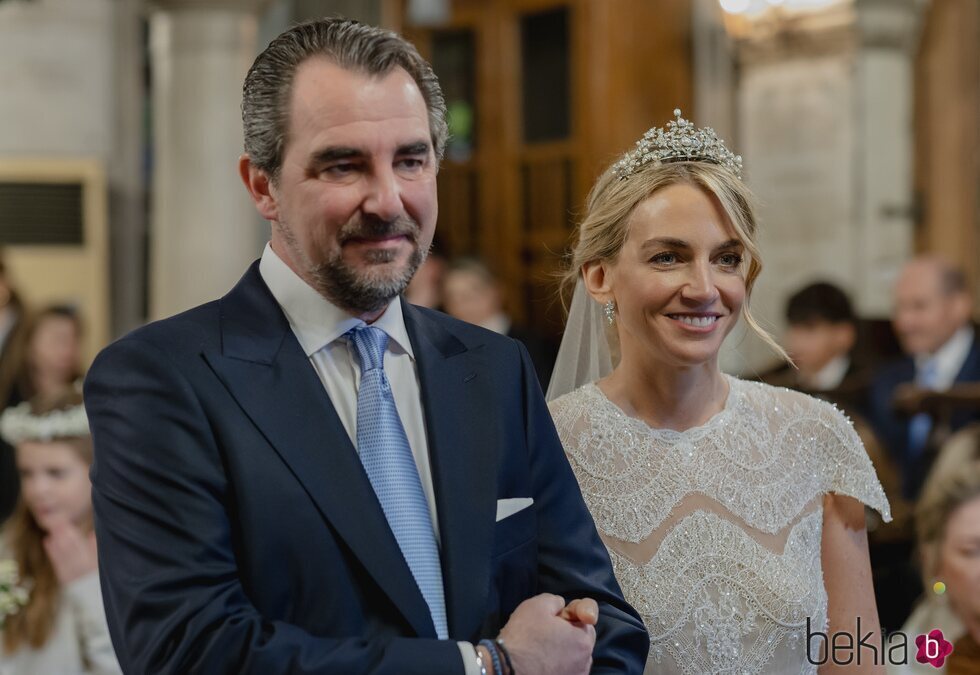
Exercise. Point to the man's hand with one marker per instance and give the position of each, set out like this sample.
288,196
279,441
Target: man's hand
72,553
544,637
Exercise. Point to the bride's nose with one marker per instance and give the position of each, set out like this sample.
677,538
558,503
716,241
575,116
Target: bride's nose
699,285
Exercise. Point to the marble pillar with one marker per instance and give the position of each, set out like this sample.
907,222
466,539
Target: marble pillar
202,220
56,84
715,77
70,89
888,32
126,171
824,121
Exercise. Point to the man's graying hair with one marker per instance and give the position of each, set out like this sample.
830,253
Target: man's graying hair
349,44
953,280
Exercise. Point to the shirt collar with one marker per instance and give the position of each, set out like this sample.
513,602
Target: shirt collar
316,321
831,375
949,358
498,323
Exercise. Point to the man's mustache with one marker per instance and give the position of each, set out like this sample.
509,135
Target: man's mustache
376,228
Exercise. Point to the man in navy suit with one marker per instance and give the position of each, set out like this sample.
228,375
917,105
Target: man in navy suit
240,527
931,318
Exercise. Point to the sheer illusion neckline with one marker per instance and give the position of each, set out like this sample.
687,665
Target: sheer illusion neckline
715,532
666,433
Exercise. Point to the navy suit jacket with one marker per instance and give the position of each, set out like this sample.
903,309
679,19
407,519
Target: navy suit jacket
893,428
238,532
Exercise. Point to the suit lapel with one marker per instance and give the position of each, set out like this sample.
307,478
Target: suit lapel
460,431
264,368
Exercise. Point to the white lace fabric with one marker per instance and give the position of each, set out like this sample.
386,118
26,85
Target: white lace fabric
714,532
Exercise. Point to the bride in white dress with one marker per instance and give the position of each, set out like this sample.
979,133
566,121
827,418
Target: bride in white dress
732,511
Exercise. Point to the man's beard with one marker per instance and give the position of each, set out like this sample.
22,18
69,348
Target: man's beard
368,289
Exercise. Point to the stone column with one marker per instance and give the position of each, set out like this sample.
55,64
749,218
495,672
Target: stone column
888,33
714,70
127,178
795,129
824,116
60,102
797,135
202,221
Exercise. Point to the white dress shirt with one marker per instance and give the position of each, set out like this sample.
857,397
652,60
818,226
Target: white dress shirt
949,359
499,323
830,376
321,327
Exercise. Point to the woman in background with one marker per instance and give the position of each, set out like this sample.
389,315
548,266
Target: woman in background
52,358
43,360
947,519
62,627
732,510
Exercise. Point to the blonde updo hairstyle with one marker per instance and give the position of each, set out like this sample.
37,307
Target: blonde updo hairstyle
612,200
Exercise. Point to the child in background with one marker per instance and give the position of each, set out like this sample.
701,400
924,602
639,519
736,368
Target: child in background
62,627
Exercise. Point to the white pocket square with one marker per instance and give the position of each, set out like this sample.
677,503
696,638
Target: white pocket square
508,507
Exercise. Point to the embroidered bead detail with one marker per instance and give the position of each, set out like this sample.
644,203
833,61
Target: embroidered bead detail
736,507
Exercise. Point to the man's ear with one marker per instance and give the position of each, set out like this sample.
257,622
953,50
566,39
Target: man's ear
259,187
963,307
596,275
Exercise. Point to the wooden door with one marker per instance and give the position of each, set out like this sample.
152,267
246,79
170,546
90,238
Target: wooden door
542,95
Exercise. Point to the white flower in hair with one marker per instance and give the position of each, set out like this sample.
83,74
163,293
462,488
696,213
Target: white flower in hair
19,424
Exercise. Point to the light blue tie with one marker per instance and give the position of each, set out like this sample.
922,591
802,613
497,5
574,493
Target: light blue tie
921,424
390,466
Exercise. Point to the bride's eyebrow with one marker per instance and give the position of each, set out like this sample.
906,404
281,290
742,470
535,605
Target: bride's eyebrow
664,242
731,243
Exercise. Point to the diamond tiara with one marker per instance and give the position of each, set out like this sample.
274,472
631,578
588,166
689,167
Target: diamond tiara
680,141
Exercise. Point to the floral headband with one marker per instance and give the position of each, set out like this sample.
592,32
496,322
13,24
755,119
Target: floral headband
19,424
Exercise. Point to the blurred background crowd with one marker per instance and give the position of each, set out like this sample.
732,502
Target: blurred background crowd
859,123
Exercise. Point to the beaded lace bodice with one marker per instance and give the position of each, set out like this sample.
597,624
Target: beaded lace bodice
714,532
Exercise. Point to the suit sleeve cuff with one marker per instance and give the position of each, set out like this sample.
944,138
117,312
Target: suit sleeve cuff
468,651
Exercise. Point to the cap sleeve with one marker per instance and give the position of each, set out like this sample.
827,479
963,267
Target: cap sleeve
846,467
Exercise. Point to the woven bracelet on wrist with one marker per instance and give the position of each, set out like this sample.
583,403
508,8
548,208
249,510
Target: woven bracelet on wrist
498,668
506,656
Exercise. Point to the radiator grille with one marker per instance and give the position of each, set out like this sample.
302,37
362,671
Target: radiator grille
40,214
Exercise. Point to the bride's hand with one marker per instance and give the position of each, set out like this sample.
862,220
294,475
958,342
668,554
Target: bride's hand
584,611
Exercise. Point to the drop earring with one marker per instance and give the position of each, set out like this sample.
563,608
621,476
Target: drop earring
610,309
